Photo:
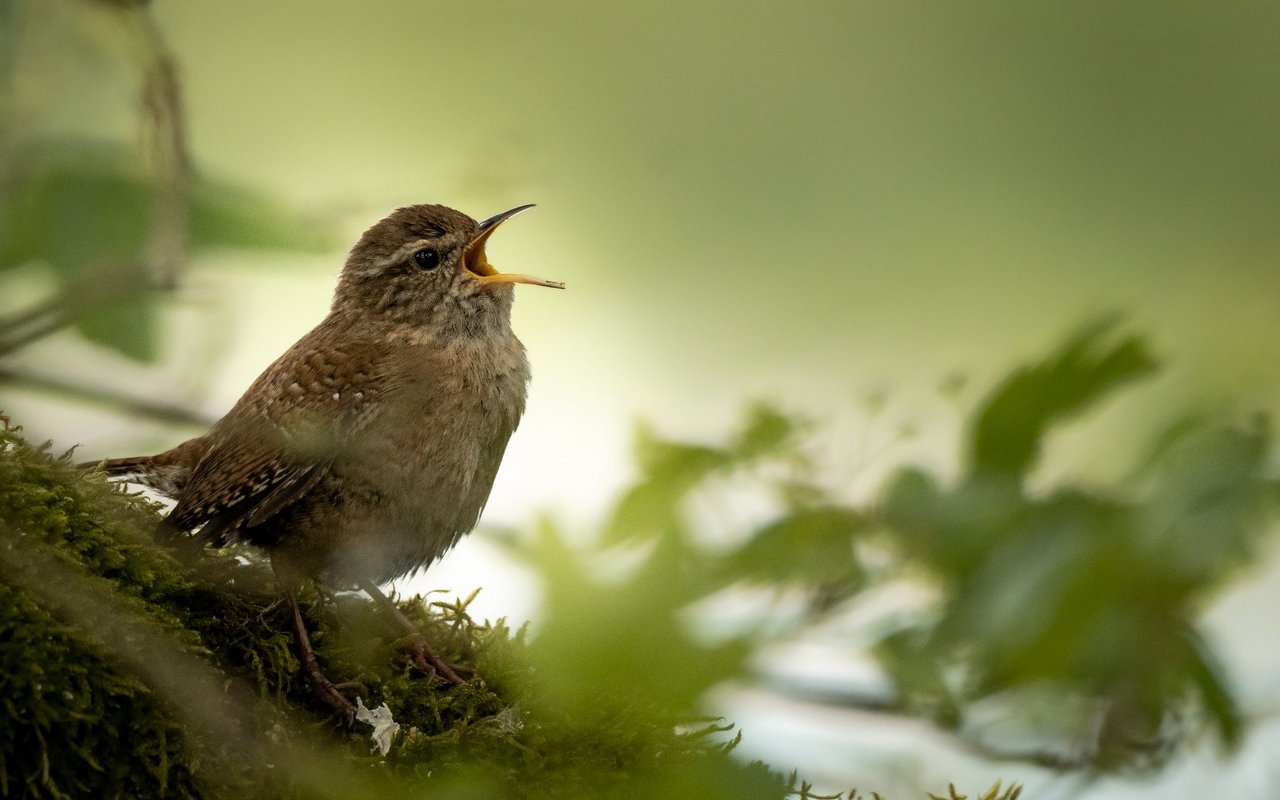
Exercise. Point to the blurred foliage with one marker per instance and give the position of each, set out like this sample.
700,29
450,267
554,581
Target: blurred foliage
1082,597
112,224
82,210
130,670
1092,591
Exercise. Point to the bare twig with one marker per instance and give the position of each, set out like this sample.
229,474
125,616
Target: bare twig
160,410
108,286
22,329
887,706
165,121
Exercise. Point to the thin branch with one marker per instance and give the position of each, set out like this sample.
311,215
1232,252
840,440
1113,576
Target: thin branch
165,120
160,410
104,287
888,706
30,316
23,329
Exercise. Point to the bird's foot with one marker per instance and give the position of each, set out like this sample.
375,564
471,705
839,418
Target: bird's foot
326,689
331,692
421,653
430,662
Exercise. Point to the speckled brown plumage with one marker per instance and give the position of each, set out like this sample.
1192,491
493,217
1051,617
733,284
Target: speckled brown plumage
369,447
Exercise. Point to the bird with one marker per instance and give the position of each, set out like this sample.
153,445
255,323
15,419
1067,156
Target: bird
370,447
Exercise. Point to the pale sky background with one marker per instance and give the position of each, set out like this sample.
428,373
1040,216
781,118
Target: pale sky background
809,202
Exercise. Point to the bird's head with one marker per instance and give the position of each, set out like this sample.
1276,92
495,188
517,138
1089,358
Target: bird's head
427,263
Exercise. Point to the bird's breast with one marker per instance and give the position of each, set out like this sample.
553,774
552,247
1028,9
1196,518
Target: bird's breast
451,409
429,458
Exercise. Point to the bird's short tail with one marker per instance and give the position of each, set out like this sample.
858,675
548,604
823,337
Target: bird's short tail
166,473
133,466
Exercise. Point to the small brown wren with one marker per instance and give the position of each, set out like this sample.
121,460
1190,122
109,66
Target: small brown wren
370,447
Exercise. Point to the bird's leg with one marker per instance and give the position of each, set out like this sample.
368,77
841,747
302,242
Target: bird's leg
424,658
324,687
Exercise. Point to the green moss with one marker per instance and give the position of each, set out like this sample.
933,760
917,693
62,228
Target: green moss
72,724
78,721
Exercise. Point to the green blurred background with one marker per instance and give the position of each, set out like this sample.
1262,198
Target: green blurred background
822,203
807,201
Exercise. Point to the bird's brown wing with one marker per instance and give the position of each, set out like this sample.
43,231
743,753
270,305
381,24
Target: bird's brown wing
281,438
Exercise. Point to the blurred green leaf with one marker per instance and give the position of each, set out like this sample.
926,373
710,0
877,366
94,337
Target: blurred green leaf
1210,680
597,631
920,683
671,470
767,431
1208,502
950,530
78,203
810,547
1018,601
73,207
652,507
130,327
224,215
84,210
1009,427
676,462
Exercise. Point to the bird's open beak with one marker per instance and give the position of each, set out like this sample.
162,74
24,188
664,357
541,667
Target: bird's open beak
475,261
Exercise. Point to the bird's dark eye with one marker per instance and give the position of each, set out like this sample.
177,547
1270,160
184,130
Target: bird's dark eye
427,258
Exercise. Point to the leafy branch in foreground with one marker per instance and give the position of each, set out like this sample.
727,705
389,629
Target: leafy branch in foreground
1077,604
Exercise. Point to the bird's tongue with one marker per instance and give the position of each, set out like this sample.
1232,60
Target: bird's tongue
477,263
479,266
474,258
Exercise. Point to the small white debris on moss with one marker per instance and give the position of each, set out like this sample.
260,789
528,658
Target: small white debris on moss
508,720
384,727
